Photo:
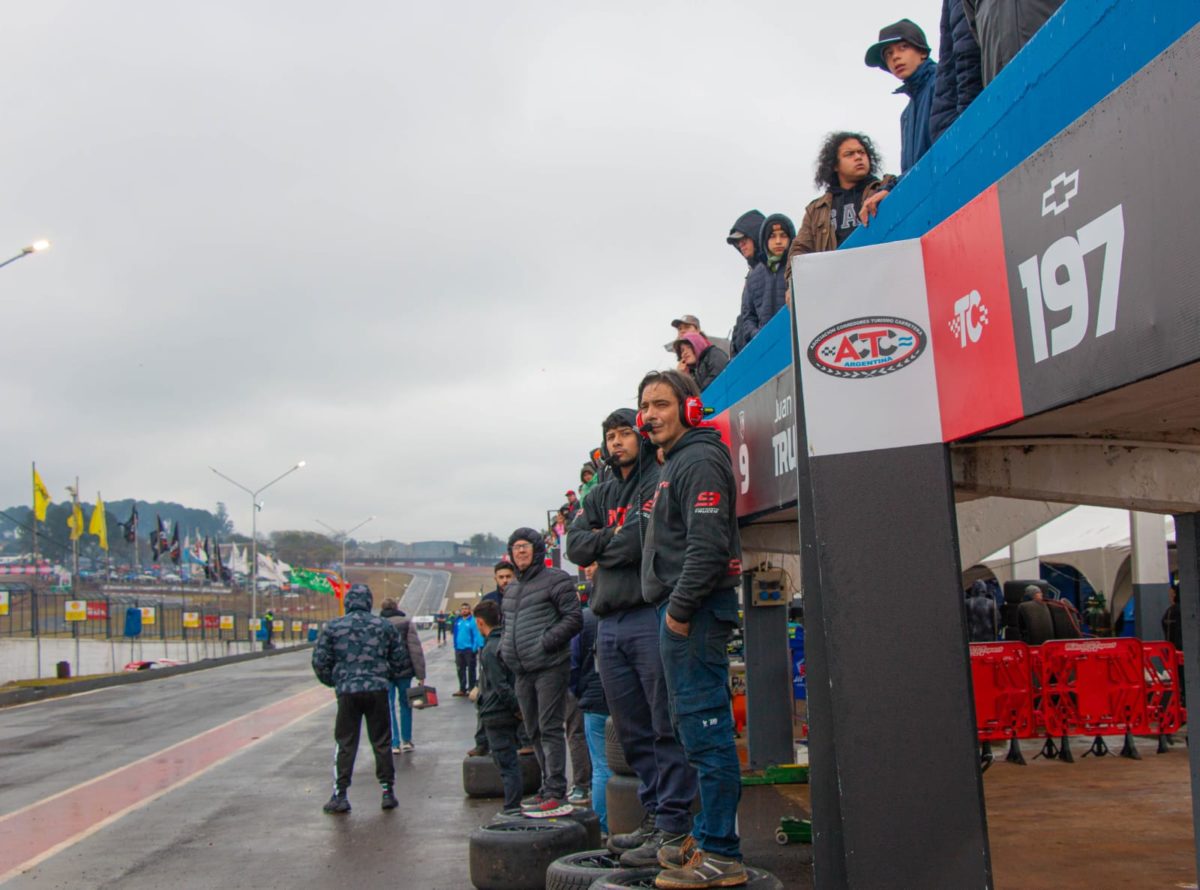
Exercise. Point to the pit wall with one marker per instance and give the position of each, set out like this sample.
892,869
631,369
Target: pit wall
19,657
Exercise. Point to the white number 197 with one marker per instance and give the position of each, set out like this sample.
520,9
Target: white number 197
1044,292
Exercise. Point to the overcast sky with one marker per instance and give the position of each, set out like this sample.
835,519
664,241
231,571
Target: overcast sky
424,247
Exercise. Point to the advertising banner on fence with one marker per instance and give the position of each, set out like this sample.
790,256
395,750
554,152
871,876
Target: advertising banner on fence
255,624
76,610
277,625
97,610
227,622
148,613
297,627
211,622
3,602
191,619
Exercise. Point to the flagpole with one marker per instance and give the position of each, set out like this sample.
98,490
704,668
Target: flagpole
75,542
35,522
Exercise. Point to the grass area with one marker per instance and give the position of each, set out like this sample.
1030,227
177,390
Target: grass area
54,681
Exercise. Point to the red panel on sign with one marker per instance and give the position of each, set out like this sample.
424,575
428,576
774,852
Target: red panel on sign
97,609
212,622
970,317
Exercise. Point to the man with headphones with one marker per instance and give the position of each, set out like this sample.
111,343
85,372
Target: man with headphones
691,570
608,532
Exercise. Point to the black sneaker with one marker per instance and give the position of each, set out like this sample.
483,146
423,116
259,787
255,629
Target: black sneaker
339,803
388,801
647,854
619,843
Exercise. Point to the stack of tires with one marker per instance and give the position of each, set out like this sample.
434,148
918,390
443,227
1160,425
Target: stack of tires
481,778
625,812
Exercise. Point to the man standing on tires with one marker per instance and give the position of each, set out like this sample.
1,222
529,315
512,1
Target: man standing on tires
608,532
540,616
691,568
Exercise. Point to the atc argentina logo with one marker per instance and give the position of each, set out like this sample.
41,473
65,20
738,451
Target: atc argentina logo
867,347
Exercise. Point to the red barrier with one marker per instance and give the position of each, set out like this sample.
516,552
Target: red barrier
1076,687
1001,675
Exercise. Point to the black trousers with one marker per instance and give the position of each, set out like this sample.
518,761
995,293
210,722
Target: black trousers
464,660
502,740
352,708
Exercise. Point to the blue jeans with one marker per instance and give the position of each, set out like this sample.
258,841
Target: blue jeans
631,669
397,691
593,728
697,672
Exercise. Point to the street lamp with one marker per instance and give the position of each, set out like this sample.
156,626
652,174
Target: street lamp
255,506
344,535
36,247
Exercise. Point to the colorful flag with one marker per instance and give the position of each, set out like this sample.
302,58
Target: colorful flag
175,551
159,543
99,525
75,521
41,497
311,581
129,529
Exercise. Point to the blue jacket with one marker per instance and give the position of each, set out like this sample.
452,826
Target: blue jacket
914,120
466,634
959,75
766,289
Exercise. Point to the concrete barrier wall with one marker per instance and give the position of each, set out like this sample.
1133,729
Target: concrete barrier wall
19,658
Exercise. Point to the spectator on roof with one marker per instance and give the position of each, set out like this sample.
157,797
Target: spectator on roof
766,287
700,359
959,76
743,237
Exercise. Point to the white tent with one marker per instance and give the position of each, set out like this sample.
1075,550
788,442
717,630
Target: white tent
1092,540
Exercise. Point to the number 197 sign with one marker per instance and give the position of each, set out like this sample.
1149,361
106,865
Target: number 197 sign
1057,282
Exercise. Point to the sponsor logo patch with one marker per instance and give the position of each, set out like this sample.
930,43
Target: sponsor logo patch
867,347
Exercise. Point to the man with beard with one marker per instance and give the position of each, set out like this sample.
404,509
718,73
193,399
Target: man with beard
691,569
540,615
609,533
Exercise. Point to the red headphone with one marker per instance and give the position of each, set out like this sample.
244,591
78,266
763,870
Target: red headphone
691,413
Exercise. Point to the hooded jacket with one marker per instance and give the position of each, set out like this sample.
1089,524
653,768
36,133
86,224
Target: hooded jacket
710,359
541,612
959,76
360,652
750,225
693,549
766,285
497,701
608,531
914,119
409,636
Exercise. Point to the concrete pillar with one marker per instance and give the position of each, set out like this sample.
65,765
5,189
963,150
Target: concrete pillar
1187,544
1023,556
1151,573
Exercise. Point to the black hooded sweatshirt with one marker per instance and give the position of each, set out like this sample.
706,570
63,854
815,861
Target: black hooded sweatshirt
541,612
692,544
608,531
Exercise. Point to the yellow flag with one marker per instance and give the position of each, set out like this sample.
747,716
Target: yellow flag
98,526
41,497
75,522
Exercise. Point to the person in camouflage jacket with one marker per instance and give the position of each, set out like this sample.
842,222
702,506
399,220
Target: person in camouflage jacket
358,655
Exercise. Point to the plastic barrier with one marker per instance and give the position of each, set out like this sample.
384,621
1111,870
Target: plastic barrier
1076,687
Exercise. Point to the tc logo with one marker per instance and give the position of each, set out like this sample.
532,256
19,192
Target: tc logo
970,315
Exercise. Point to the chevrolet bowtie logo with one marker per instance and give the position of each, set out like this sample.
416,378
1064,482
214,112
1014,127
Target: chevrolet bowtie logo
1057,198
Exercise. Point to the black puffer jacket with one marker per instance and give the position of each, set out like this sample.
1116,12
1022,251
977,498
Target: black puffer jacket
608,532
766,285
959,76
541,612
709,365
692,544
497,702
749,223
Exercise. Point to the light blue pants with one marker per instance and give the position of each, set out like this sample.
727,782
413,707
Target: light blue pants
593,728
403,732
